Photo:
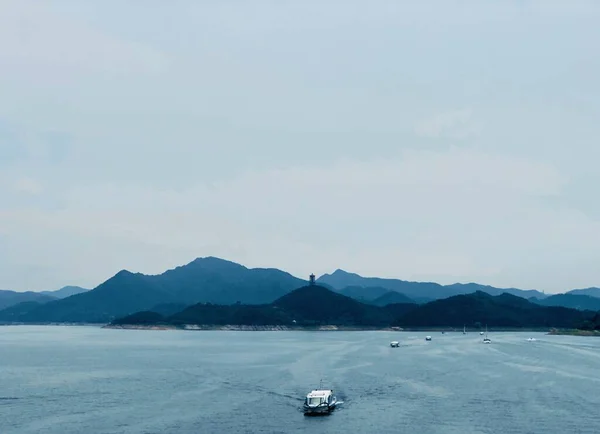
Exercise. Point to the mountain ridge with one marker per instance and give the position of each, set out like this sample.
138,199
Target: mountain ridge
219,281
202,280
340,279
313,306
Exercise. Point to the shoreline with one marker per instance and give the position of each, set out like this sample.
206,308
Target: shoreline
283,328
206,327
275,328
574,332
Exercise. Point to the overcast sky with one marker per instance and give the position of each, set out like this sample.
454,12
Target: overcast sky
448,141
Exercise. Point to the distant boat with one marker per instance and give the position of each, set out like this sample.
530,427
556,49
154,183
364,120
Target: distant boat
427,338
394,344
486,340
531,339
320,401
481,333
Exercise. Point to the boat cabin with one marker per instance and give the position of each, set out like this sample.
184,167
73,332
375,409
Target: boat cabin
394,344
319,397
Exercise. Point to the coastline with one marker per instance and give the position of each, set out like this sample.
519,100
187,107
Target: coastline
230,327
283,328
574,332
274,328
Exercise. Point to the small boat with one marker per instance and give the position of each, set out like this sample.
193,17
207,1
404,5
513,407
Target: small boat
319,401
486,340
427,338
394,344
443,333
531,339
481,333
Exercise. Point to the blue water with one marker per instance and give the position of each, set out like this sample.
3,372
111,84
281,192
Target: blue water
62,380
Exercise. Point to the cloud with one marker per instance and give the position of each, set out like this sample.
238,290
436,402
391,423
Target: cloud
457,124
28,186
280,141
448,216
34,39
19,143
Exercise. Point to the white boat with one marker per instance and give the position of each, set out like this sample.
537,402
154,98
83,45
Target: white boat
531,339
320,401
486,340
481,333
394,344
427,338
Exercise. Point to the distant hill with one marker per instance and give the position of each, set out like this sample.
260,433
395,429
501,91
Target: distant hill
144,317
315,305
592,292
391,297
306,306
211,280
592,324
573,301
418,291
168,309
236,314
480,308
65,291
15,312
361,293
11,298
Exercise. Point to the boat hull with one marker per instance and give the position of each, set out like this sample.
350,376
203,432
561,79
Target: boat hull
319,410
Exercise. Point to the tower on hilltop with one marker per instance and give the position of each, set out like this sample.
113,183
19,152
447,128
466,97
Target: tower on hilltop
312,280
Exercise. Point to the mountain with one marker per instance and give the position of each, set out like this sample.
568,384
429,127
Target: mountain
65,291
573,301
591,324
391,297
361,293
11,298
315,306
418,291
306,306
469,288
209,280
592,292
14,312
479,308
168,309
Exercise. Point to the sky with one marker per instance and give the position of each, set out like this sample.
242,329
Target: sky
448,141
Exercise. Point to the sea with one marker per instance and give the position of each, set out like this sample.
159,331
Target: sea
63,380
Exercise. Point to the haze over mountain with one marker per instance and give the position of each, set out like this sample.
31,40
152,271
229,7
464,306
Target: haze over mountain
574,301
391,297
218,281
340,279
65,291
318,306
592,292
11,298
305,306
358,292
